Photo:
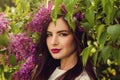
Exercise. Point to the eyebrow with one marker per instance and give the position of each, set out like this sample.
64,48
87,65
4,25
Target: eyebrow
60,31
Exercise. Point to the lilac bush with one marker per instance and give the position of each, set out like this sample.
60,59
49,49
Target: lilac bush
3,23
25,71
43,16
21,45
101,22
19,57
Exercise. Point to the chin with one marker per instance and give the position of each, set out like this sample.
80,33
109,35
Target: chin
55,57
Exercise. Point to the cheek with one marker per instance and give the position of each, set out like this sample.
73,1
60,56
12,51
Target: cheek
69,43
47,42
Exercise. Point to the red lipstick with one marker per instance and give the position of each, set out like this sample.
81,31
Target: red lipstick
55,50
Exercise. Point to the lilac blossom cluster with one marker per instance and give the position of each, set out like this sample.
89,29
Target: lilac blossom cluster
26,68
3,23
25,51
79,17
21,45
43,16
24,48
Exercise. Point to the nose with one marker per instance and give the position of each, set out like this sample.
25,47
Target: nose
54,40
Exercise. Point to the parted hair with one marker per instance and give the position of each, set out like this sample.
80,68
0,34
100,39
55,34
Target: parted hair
48,64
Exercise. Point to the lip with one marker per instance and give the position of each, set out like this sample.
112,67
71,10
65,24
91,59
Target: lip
55,50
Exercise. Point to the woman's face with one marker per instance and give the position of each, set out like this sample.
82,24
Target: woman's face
60,40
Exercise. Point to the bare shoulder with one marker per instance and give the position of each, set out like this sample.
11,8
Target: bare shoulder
83,76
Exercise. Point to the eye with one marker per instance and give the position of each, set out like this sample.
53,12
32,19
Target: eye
63,34
49,34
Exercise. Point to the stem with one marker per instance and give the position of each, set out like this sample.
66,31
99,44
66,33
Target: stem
3,77
116,21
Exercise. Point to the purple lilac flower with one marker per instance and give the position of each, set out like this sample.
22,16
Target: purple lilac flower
3,23
79,16
63,9
25,71
25,50
43,16
21,45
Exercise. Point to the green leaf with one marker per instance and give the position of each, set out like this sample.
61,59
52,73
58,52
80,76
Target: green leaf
17,27
103,4
114,30
3,51
88,3
69,19
118,13
19,24
4,39
106,53
119,57
23,6
57,2
92,2
71,5
109,10
100,30
54,15
56,10
12,59
116,54
95,58
66,1
89,14
35,36
7,75
103,39
85,54
86,26
1,68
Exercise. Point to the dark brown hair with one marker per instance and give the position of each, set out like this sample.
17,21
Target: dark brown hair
48,64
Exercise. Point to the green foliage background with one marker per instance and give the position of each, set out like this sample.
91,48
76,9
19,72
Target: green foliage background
102,23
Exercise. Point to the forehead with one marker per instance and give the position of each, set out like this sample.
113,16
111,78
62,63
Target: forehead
60,25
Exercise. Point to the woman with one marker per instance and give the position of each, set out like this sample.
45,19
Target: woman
60,49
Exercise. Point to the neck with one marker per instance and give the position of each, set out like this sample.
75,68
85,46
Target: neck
68,63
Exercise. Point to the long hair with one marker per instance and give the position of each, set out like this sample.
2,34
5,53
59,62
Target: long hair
48,64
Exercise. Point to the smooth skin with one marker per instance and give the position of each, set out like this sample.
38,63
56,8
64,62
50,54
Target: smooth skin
60,37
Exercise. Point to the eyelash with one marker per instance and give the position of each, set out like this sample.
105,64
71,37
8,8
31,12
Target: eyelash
60,34
48,35
63,34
